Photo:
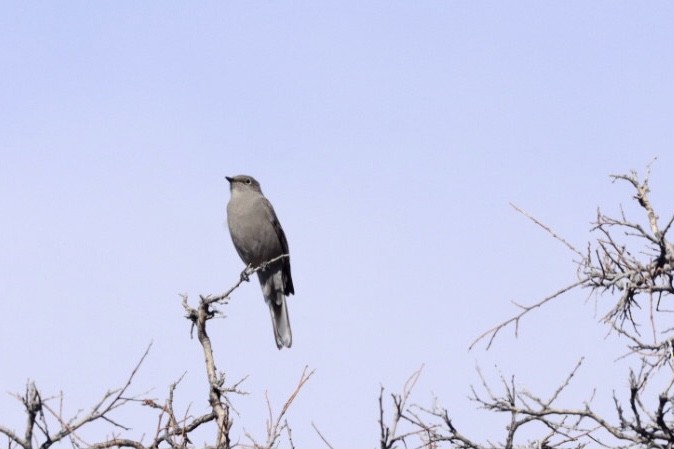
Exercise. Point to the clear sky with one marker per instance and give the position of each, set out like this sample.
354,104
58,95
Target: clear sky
390,137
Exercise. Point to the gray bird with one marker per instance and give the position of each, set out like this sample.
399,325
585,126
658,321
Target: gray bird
258,238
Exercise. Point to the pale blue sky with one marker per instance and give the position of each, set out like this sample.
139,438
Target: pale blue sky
390,136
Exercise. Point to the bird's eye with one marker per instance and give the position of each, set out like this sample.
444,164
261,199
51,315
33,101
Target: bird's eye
248,181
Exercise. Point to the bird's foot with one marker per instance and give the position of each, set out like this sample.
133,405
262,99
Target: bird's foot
245,274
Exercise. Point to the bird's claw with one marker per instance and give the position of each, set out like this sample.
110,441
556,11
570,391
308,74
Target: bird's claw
245,274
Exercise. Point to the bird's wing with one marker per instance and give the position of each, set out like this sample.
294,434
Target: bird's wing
285,263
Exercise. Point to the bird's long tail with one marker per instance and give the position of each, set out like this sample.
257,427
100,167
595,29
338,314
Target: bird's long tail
272,288
280,322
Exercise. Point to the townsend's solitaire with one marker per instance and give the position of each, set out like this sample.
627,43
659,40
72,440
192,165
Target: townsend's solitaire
258,238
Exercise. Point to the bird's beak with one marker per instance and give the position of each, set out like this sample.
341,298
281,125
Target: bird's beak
229,179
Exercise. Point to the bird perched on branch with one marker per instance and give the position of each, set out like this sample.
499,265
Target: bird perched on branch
259,238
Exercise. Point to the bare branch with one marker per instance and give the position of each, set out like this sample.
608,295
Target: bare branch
245,277
275,427
547,229
493,332
321,436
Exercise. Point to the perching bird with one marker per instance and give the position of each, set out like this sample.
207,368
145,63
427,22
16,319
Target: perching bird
258,238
